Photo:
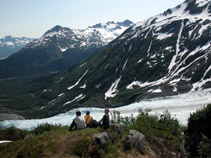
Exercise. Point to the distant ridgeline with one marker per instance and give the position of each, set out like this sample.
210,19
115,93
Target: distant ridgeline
10,45
60,48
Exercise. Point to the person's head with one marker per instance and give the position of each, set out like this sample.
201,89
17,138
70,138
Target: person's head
78,113
87,112
106,111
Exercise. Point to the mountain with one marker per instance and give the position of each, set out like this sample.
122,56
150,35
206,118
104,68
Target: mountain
167,54
10,45
60,48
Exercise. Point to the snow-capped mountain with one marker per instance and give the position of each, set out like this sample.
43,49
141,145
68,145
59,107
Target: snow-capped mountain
167,54
94,36
60,48
10,45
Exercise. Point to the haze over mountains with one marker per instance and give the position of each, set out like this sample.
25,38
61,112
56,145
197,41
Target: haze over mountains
167,54
60,48
10,45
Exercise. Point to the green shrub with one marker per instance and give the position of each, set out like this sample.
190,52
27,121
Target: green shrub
45,128
84,147
12,133
149,124
198,132
204,148
117,118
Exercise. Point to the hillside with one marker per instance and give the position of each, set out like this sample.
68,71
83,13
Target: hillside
167,54
160,138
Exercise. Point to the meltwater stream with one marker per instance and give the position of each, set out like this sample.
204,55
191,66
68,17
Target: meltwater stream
180,106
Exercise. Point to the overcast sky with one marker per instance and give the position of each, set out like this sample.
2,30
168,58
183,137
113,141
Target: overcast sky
32,18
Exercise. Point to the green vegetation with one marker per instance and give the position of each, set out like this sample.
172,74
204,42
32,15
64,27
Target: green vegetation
55,141
198,133
163,133
153,125
21,95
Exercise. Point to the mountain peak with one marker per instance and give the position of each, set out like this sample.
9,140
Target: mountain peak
8,37
56,28
126,23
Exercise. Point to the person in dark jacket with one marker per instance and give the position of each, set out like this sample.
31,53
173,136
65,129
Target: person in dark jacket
105,120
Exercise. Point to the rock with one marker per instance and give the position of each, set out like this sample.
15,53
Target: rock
117,128
101,138
4,116
135,140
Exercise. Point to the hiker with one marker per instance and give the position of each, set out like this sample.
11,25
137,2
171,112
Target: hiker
78,122
105,120
88,118
90,121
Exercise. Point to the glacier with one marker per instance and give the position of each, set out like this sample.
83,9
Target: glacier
180,106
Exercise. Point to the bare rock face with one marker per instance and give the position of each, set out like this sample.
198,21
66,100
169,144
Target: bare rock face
136,140
117,128
101,138
4,116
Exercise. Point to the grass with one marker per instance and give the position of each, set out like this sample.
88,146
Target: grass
45,141
49,141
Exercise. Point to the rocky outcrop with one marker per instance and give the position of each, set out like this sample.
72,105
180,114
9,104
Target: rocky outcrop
117,128
136,140
101,138
4,116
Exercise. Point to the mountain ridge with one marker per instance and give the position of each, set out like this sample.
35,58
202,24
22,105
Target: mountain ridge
59,48
164,55
10,45
167,54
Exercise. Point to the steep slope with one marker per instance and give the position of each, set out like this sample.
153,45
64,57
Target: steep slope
60,48
10,45
164,55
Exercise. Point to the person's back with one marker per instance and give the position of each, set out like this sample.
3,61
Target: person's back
88,118
80,122
105,120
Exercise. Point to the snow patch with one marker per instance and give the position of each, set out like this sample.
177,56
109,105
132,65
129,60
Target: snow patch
162,36
83,87
60,94
77,98
112,91
5,141
71,87
173,61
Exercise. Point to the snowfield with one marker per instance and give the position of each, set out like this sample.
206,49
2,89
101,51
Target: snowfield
180,106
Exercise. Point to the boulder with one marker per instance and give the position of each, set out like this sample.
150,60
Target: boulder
101,138
136,140
118,128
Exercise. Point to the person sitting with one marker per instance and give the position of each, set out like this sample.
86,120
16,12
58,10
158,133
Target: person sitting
78,122
105,120
88,118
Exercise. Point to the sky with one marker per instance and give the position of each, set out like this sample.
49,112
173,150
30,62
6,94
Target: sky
32,18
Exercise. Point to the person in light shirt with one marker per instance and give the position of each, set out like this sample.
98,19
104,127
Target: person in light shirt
78,122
